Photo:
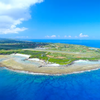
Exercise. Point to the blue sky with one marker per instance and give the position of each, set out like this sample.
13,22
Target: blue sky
50,19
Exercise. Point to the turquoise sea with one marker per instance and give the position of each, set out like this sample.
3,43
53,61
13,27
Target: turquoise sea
24,86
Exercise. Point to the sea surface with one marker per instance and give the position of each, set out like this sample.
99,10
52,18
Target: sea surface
90,43
24,86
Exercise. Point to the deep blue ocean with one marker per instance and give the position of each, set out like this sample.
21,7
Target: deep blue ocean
91,43
80,86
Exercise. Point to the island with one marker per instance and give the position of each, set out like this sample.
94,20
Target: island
48,58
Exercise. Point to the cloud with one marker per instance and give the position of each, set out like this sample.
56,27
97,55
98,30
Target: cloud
81,35
65,36
69,36
47,36
52,36
12,30
13,13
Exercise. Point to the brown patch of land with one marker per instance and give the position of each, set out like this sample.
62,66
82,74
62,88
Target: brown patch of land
78,57
55,57
61,57
50,56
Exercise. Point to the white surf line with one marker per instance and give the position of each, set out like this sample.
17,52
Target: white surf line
45,74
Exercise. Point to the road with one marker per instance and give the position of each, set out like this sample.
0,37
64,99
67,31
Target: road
55,51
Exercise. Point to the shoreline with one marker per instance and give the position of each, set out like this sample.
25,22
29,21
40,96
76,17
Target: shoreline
27,57
45,74
51,72
50,64
12,64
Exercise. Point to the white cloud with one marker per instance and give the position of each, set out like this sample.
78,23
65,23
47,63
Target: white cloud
12,30
53,36
65,36
69,36
47,36
13,13
81,35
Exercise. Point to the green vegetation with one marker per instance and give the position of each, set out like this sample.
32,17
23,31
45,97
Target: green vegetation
68,47
8,44
50,52
58,58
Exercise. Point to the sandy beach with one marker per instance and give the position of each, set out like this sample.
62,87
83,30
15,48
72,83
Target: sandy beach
23,55
52,69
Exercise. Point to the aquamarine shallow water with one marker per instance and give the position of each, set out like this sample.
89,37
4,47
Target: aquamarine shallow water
21,86
22,60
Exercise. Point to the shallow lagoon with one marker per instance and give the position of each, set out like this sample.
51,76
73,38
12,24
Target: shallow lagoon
86,62
21,59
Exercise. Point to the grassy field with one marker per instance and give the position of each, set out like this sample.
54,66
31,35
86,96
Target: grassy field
59,58
50,52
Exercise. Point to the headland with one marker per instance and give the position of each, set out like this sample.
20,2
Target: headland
49,58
